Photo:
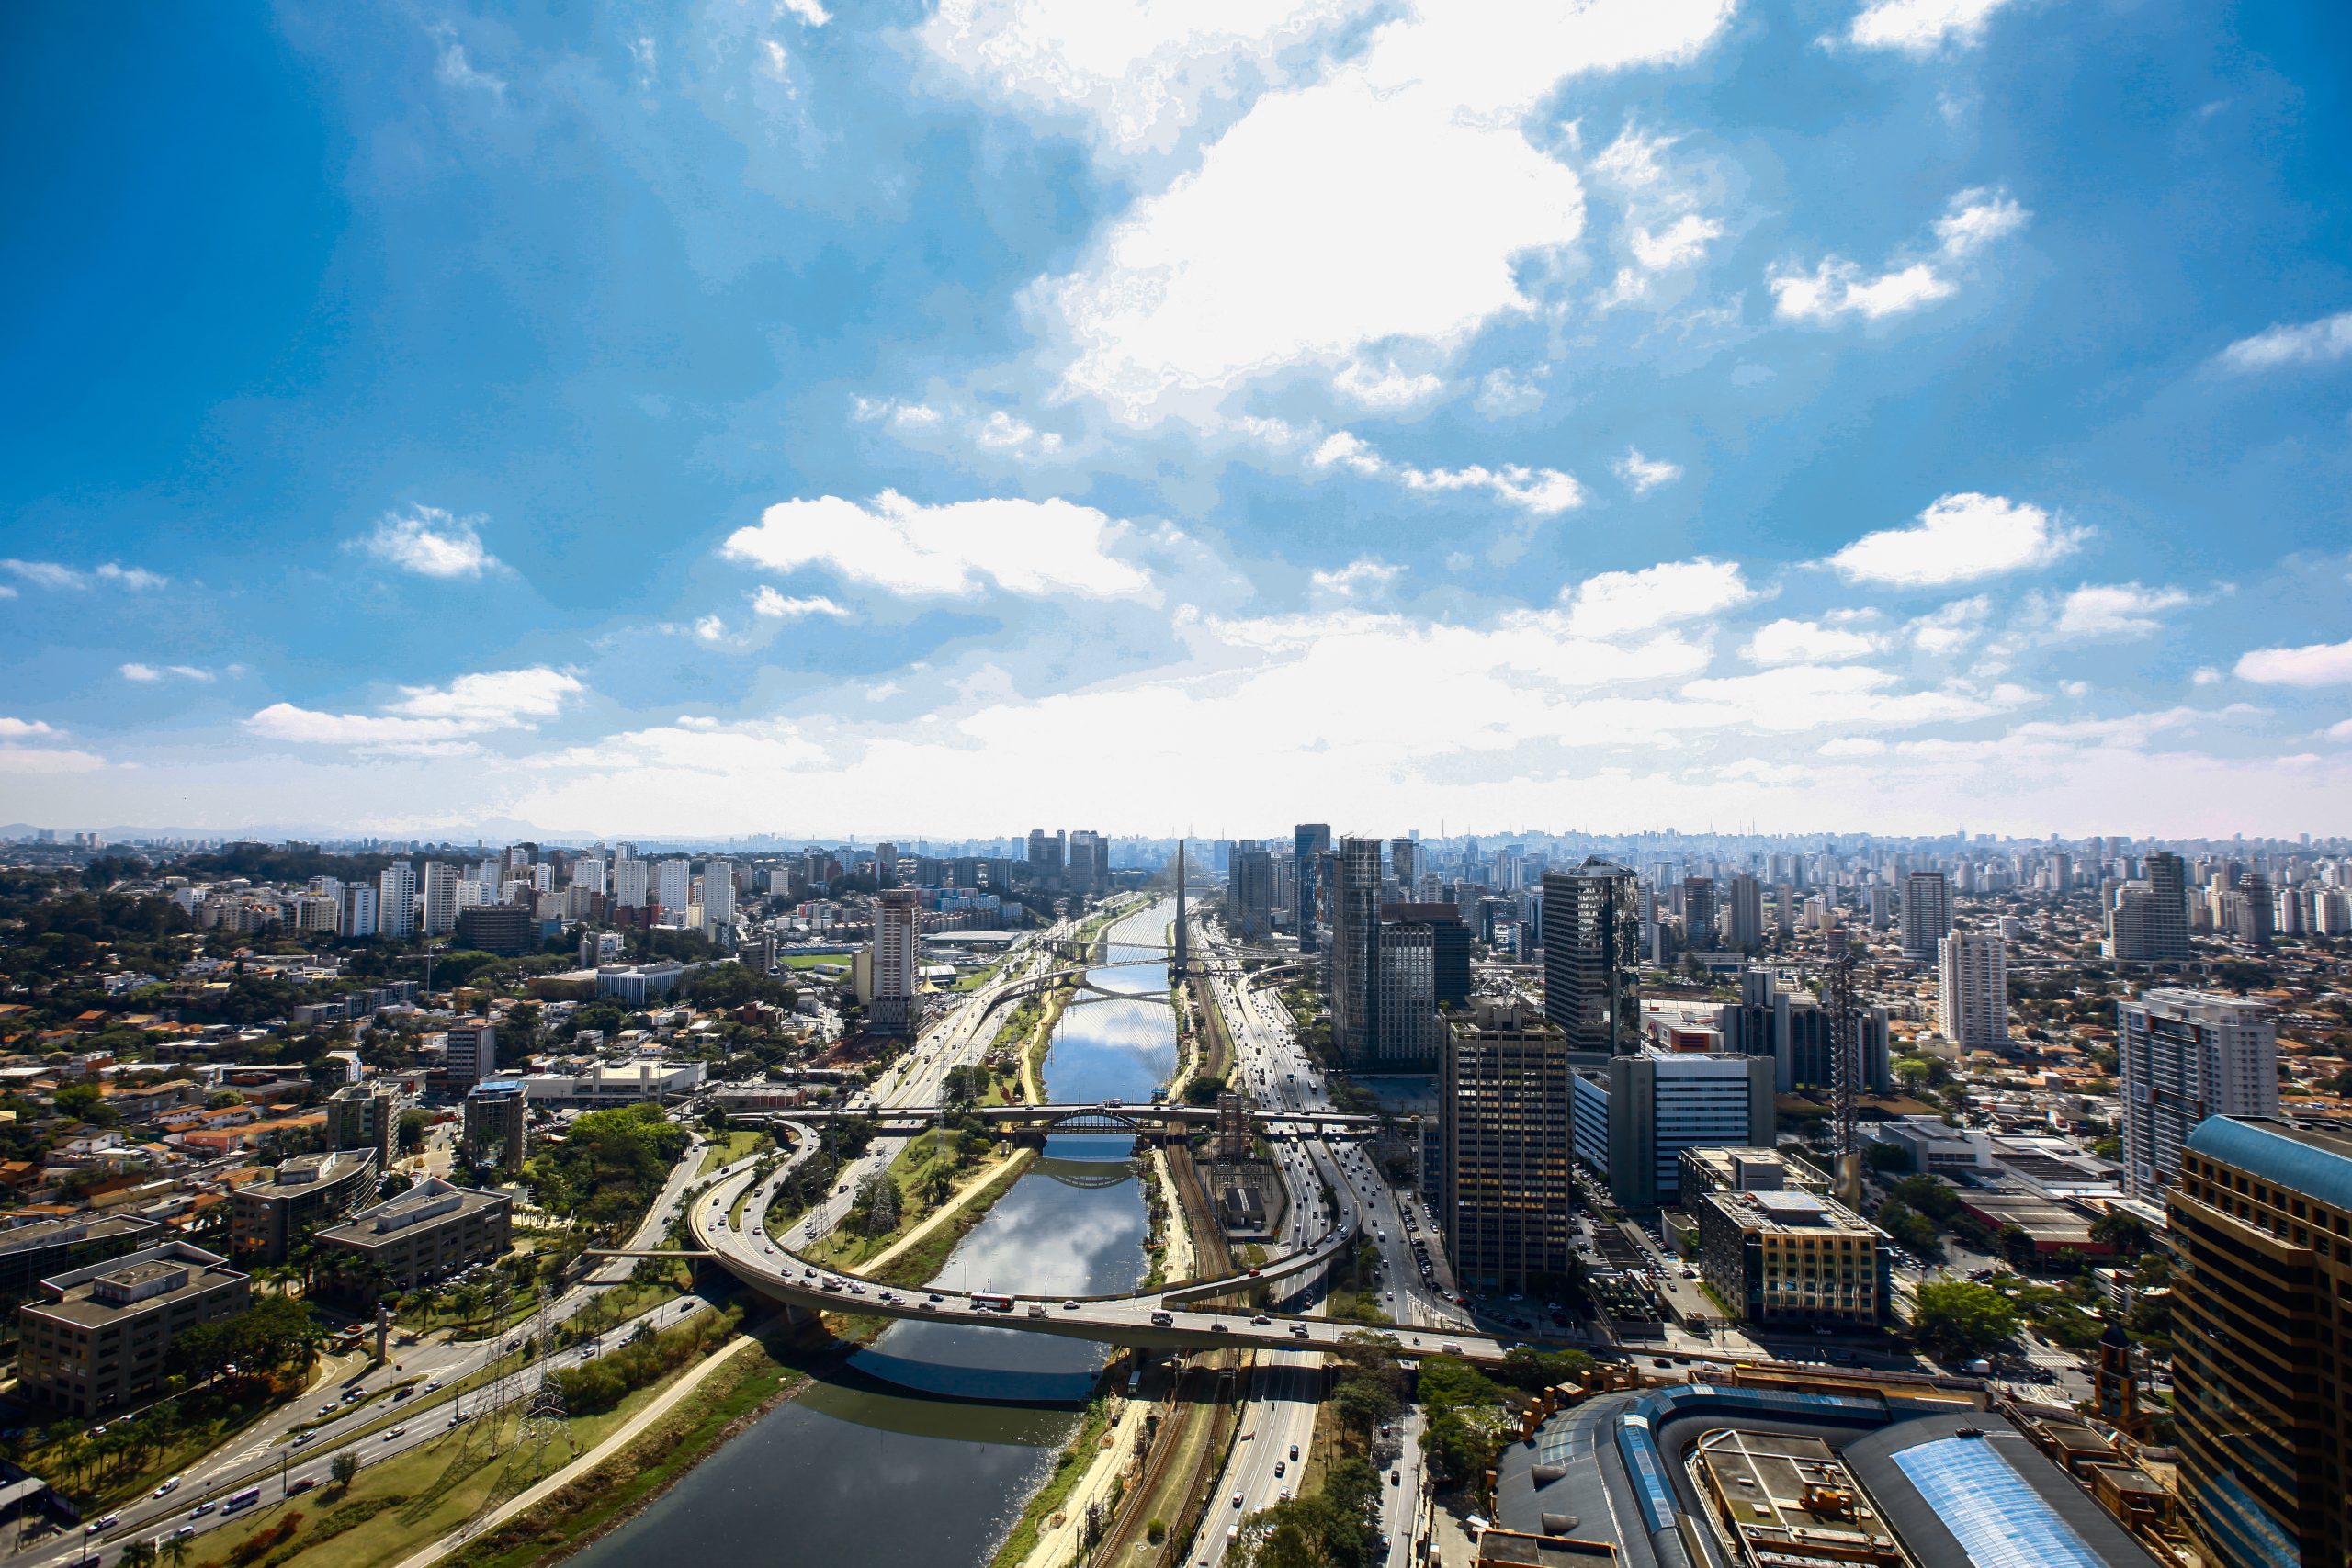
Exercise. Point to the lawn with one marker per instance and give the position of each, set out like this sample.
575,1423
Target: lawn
740,1144
912,1170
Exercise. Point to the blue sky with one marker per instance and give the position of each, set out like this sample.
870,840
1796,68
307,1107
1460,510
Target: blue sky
1894,414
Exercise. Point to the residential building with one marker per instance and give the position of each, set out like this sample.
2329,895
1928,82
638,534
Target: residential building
425,1233
1505,1153
1354,899
359,908
267,1218
508,929
891,1007
98,1337
631,890
396,901
1926,914
364,1116
440,899
1632,1117
718,894
1973,989
1743,923
2182,1057
673,889
473,1051
1309,840
1591,925
2259,1223
496,1132
2148,919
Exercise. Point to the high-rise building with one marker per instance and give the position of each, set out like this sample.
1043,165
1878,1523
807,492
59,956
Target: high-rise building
1310,840
1450,946
1926,914
440,899
672,886
1631,1118
1355,951
1699,913
588,874
886,864
1045,857
629,883
2262,1391
1591,924
1505,1204
473,1051
1407,1033
495,1130
1250,894
2255,915
396,901
2182,1057
890,1009
359,908
2147,920
719,893
1973,989
1744,914
1405,864
1089,868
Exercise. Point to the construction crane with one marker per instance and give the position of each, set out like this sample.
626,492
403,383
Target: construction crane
1845,1065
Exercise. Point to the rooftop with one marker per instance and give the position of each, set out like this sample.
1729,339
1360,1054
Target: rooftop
2310,1160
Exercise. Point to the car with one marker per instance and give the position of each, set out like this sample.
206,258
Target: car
200,1510
1294,1452
1260,1321
1396,1478
170,1484
432,1385
1237,1499
1281,1468
182,1532
301,1438
1218,1328
396,1432
304,1485
106,1523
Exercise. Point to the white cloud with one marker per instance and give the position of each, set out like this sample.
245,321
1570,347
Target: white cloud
1364,576
1613,603
710,629
2121,609
2206,676
1920,27
1002,432
1505,392
455,70
1838,290
1959,538
1384,389
1642,475
150,672
17,729
49,574
904,415
471,704
2315,343
1039,547
23,760
1344,448
2317,664
1680,243
808,11
1807,642
1950,628
1541,492
1390,199
767,602
432,543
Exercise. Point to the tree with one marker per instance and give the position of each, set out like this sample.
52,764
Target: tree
1957,1319
177,1549
876,1207
345,1469
412,1131
2120,1232
1883,1155
84,1102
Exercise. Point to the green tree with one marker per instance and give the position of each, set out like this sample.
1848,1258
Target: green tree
2120,1232
345,1469
412,1131
84,1102
1957,1319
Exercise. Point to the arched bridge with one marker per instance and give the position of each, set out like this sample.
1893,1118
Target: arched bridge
1106,1116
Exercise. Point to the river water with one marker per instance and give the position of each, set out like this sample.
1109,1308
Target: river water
928,1444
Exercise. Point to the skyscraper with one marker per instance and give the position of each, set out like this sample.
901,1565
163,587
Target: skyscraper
1089,868
719,893
673,882
1354,902
1405,865
1310,840
1507,1196
1926,914
2182,1057
1252,894
396,901
891,956
1744,914
629,889
1591,924
1045,857
2262,1393
1699,913
440,899
1973,991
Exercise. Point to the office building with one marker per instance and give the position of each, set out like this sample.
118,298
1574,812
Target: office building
891,957
1743,924
674,887
1504,1147
1310,842
364,1116
425,1233
2147,919
396,901
29,1253
1407,1033
1250,895
2182,1057
473,1052
1926,914
507,930
1973,989
1088,861
98,1338
1045,857
1450,946
267,1218
1405,865
1780,1253
636,985
496,1132
1699,921
1591,924
1632,1117
440,899
2260,1228
1355,951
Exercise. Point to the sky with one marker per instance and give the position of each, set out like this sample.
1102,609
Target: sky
958,416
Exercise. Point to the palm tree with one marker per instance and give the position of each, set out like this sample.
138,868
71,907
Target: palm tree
176,1550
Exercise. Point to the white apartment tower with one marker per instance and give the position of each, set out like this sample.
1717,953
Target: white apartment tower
670,884
719,893
628,884
891,1010
440,899
1972,996
396,901
2182,1057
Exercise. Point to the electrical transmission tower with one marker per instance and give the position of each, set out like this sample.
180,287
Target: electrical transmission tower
1845,1065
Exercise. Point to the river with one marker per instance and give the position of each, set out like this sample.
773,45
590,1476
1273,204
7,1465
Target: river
928,1444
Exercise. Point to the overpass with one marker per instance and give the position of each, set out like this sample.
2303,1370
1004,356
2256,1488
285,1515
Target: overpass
1107,1116
1162,1320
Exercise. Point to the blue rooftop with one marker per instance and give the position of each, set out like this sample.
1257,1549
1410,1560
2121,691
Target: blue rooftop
2317,1164
1998,1519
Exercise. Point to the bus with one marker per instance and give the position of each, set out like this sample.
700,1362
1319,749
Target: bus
239,1501
991,1303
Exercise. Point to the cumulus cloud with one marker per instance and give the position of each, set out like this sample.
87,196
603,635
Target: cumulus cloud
1920,27
2120,609
471,704
1503,392
1642,475
1361,577
1539,492
23,728
1974,219
1384,389
1837,290
1614,604
57,578
1950,628
904,415
1036,547
1389,199
149,673
2315,664
1005,433
1807,642
2277,348
778,606
431,542
1959,538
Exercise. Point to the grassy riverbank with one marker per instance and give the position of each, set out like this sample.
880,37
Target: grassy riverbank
1069,1469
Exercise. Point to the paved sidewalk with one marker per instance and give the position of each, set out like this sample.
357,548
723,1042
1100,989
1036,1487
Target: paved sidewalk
627,1432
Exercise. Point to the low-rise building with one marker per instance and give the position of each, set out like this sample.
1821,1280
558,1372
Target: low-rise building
98,1339
1780,1256
269,1218
33,1252
628,1083
430,1231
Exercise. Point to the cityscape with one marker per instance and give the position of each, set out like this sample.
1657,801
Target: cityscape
1098,784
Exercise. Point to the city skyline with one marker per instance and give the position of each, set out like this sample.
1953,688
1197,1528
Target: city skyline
1867,414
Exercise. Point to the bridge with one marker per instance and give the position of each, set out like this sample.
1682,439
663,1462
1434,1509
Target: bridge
1168,1319
1107,1116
